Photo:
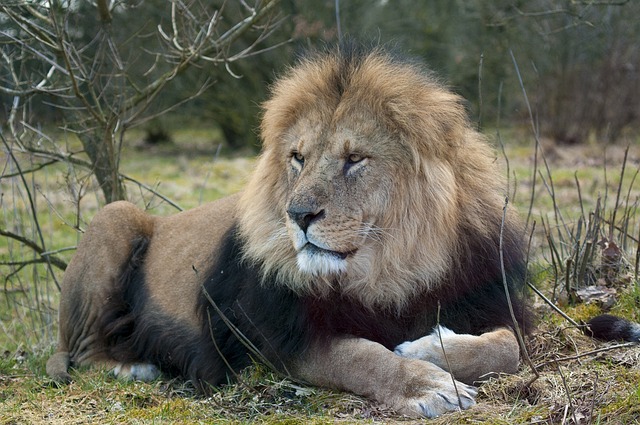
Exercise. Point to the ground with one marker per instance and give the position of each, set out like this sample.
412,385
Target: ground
579,380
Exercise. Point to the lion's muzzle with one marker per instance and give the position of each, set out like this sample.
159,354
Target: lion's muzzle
316,255
304,216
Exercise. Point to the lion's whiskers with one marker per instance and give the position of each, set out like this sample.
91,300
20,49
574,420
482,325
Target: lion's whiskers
376,233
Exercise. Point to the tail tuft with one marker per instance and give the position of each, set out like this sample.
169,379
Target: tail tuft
607,327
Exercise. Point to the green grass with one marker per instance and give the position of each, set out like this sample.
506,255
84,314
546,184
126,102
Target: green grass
189,173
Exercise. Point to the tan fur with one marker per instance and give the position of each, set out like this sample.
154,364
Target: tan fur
423,148
175,254
411,387
430,173
388,171
469,358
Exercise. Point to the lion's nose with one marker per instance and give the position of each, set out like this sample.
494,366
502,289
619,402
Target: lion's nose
303,217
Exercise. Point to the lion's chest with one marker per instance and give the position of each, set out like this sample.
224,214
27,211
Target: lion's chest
344,317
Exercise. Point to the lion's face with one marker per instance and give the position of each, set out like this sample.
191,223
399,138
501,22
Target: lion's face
340,180
367,170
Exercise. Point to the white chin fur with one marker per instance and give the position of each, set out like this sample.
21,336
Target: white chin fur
320,264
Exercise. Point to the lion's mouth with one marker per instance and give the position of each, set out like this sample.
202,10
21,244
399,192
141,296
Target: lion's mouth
314,249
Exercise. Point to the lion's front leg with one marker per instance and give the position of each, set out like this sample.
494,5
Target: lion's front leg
409,386
469,358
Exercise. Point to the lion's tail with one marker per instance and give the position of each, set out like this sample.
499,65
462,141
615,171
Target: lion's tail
610,328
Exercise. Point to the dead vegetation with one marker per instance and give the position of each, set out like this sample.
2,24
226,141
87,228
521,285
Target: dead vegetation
580,381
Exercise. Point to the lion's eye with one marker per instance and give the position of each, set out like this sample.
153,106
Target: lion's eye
353,163
354,158
297,158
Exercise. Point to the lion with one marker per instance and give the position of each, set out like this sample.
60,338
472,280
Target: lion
371,252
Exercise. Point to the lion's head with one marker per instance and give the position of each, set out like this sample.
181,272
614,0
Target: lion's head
369,172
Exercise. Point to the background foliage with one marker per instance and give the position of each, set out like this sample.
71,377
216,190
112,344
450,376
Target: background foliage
139,100
580,58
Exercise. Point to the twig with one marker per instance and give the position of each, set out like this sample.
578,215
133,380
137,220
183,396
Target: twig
569,399
586,353
238,334
480,92
553,306
224,359
34,215
635,273
516,327
338,25
536,138
46,256
615,206
152,190
501,143
446,359
29,171
593,400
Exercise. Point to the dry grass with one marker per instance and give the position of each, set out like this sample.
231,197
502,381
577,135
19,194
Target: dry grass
580,380
602,387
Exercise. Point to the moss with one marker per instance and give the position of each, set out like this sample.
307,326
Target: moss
606,381
583,312
628,305
624,409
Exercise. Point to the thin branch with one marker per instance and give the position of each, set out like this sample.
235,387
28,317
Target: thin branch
34,214
543,12
569,398
104,12
242,338
150,189
516,327
37,53
535,134
586,353
47,258
29,171
553,306
64,53
446,358
55,156
338,24
615,206
134,116
187,56
43,35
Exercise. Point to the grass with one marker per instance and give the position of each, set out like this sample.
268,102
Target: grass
581,380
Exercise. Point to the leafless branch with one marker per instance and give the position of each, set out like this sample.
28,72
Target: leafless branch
100,82
516,328
39,248
152,190
585,354
46,257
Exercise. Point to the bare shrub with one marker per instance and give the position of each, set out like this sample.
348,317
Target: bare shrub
77,76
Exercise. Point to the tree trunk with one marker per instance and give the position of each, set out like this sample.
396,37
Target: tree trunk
100,146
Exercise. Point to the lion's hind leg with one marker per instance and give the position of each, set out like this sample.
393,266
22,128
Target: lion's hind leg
93,289
469,358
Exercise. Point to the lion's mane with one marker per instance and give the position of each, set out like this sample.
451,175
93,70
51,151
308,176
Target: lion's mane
446,204
439,257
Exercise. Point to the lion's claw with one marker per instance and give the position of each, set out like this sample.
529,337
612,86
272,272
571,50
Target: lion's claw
440,396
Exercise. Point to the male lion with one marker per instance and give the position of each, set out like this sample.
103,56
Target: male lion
373,217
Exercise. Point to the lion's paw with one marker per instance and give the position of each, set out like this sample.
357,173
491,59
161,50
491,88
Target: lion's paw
136,371
446,397
422,348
